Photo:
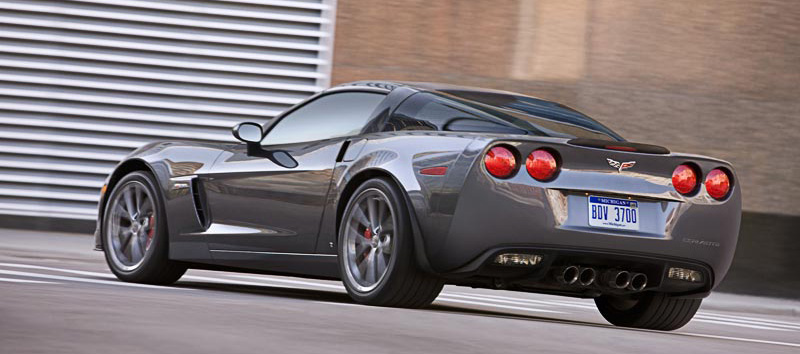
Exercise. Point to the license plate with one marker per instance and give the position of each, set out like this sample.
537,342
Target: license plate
613,213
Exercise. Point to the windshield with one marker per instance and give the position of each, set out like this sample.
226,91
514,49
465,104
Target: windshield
534,115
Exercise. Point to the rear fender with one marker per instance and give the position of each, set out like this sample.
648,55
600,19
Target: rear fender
401,156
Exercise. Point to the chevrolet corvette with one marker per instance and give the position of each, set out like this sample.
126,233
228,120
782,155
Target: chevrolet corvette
397,189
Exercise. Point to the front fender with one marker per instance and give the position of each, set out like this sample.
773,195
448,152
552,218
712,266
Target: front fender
170,163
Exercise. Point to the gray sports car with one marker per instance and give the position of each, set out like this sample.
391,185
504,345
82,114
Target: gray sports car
400,188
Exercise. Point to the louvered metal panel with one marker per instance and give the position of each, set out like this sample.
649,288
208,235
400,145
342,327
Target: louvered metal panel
84,82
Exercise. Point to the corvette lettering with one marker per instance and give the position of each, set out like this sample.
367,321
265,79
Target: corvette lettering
701,242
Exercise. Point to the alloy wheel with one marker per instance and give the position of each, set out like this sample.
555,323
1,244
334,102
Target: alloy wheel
131,225
369,239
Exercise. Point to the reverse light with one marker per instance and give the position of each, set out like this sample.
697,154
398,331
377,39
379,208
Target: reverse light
718,184
684,179
685,275
500,162
541,165
520,259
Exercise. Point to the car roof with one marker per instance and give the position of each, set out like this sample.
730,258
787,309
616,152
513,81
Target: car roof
387,86
479,95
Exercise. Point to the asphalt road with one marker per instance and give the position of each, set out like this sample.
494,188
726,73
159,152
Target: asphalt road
57,296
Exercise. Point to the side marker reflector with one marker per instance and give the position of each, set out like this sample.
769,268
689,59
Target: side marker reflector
434,171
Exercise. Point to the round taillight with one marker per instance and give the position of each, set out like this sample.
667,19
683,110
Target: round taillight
684,179
541,165
718,184
500,162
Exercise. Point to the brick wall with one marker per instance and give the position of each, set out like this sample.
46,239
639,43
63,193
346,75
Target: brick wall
708,77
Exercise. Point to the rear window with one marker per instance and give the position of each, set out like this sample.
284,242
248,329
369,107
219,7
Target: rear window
490,112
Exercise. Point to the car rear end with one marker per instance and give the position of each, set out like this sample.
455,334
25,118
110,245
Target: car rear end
586,217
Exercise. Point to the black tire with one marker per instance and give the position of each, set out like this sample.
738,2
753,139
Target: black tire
156,267
403,284
648,310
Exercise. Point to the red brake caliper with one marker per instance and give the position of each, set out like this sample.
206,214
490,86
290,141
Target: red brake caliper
368,236
152,230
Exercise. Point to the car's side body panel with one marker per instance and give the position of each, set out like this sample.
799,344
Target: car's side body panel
257,205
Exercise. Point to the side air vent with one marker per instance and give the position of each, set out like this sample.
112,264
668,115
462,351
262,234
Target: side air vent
199,203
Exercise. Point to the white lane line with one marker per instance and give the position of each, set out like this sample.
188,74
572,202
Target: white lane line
236,282
62,270
288,281
726,323
590,304
85,280
27,281
707,317
185,277
111,276
751,322
508,299
700,318
490,301
748,340
519,308
737,317
343,304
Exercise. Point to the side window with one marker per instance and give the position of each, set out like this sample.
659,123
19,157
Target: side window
330,116
425,111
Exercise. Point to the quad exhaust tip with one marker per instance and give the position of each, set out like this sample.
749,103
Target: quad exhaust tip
587,276
614,278
618,279
568,275
571,275
638,282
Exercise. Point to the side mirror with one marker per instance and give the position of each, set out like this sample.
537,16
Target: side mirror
248,132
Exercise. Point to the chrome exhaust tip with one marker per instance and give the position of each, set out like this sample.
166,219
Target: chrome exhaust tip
617,279
568,275
638,282
587,276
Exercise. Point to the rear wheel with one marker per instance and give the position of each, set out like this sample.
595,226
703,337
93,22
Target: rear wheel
376,254
135,233
648,310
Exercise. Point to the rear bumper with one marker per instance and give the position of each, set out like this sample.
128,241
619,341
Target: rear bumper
482,271
519,212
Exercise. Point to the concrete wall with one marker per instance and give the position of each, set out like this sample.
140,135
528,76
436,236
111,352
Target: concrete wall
720,78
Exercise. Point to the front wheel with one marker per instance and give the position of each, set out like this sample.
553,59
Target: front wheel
134,231
648,310
376,250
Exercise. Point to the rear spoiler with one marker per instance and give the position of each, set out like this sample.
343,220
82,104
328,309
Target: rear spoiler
620,146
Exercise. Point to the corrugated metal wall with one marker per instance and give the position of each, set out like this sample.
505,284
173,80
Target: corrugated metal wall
82,83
